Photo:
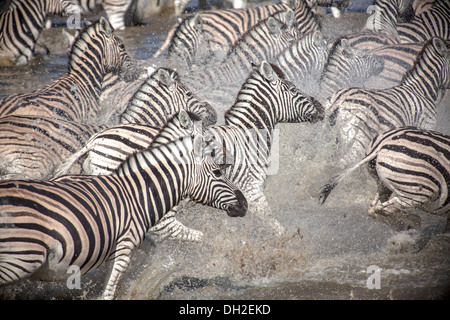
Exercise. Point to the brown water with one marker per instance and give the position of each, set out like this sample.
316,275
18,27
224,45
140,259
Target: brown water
326,251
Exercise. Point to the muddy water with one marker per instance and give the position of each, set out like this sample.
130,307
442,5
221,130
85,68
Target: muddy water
327,252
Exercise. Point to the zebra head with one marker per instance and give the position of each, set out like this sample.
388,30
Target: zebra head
207,183
211,186
291,104
183,98
102,51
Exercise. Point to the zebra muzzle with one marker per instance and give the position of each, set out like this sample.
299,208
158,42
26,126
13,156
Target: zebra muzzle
238,209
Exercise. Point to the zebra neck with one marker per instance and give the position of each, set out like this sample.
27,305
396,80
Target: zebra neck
159,177
89,80
426,76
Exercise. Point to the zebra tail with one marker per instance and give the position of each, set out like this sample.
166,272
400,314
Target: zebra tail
326,189
65,167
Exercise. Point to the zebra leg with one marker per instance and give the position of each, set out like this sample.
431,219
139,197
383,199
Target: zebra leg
262,209
170,227
390,212
121,261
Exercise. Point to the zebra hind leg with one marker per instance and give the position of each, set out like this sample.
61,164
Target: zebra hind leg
390,212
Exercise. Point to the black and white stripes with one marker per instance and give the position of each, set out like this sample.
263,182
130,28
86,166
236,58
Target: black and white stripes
48,226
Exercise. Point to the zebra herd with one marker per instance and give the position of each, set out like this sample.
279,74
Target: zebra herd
79,190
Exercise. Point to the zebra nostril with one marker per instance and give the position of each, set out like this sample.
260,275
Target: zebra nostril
240,208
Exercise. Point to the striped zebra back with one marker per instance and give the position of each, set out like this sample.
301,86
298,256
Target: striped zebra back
221,83
105,151
434,22
347,67
84,220
303,60
32,147
75,96
160,97
21,25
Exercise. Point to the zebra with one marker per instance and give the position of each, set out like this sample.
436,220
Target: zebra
155,101
397,61
22,24
433,22
347,67
412,169
115,10
82,221
245,137
303,61
221,29
219,84
108,149
32,147
245,141
162,95
360,114
74,97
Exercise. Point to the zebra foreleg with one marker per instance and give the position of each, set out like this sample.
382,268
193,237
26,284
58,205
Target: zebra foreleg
171,228
120,263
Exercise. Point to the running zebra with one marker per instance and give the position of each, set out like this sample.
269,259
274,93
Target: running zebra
82,221
22,24
33,147
412,169
245,141
347,67
247,136
303,61
115,10
360,114
433,22
75,96
220,83
221,29
161,96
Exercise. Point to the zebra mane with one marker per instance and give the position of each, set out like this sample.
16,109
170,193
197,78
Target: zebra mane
436,45
173,127
83,37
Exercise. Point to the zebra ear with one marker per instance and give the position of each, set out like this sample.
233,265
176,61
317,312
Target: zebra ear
274,25
106,26
267,72
289,17
440,47
196,23
185,120
317,38
165,78
198,146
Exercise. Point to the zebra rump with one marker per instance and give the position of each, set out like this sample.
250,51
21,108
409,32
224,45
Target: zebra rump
412,169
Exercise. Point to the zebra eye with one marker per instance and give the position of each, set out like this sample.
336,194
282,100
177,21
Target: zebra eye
217,173
292,91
